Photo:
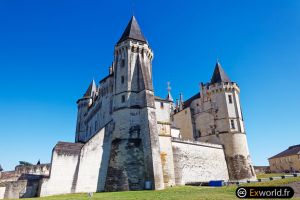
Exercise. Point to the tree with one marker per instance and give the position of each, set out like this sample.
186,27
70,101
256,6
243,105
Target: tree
25,163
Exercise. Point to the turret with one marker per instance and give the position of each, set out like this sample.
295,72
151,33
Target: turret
82,105
135,157
220,121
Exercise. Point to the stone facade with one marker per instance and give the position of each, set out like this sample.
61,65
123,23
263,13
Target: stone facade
287,161
196,162
129,139
215,116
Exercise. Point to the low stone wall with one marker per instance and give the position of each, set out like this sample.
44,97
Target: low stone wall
77,167
198,162
9,176
42,169
20,189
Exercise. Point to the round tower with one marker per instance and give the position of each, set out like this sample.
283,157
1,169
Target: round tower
82,105
222,122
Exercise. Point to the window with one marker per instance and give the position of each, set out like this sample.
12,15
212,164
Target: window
123,98
161,105
232,125
230,98
123,63
122,79
199,133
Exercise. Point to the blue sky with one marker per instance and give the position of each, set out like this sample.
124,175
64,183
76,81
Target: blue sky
50,51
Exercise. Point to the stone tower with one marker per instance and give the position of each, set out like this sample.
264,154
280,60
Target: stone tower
220,121
82,106
135,158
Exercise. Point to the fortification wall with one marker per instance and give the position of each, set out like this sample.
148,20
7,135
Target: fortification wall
42,169
166,155
19,189
77,167
64,170
198,162
92,160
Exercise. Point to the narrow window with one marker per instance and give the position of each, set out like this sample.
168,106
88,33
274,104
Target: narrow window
122,79
123,63
123,98
230,98
161,105
232,124
199,133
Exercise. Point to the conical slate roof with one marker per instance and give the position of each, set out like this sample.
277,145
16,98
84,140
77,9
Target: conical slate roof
219,74
92,88
132,31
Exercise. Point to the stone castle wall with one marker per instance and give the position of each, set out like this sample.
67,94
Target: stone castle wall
198,162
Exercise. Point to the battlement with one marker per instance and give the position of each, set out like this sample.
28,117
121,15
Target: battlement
135,47
209,88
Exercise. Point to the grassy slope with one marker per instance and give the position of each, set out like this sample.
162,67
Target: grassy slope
182,193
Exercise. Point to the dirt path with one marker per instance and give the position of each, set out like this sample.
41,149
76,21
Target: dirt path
296,187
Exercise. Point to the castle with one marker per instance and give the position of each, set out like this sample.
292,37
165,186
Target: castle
129,139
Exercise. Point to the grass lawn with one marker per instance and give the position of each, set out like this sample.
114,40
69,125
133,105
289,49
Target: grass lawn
176,193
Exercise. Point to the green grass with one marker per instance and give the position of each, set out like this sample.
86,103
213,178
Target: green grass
268,175
175,193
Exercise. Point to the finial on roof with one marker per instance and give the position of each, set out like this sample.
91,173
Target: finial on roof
132,7
219,74
169,96
181,101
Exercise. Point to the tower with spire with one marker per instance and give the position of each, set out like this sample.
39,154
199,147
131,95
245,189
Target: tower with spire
135,136
220,102
82,105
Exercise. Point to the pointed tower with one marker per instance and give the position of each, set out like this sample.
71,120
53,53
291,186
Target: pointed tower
220,98
91,91
219,75
135,156
82,106
169,96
